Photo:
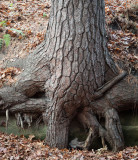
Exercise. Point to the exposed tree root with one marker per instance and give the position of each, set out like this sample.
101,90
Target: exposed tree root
30,106
99,93
116,96
112,132
24,120
114,129
7,118
121,96
19,120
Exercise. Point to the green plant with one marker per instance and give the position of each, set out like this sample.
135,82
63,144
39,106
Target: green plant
1,42
6,39
44,14
18,31
3,23
11,5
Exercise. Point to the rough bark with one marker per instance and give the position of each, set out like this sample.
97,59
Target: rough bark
67,69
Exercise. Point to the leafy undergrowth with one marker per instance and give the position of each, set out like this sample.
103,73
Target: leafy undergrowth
13,147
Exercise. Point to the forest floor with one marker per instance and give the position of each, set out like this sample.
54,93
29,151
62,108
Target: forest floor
19,148
26,21
22,28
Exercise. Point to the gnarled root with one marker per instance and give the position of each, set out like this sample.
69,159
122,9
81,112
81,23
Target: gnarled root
21,99
19,120
88,120
112,132
114,129
23,119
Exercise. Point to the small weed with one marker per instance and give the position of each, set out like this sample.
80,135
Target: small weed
6,39
3,23
18,31
44,14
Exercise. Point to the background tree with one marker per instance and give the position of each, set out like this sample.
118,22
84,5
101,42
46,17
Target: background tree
68,76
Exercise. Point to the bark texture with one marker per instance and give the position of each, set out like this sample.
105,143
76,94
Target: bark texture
64,73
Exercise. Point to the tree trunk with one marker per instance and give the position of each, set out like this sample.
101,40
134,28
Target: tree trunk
62,76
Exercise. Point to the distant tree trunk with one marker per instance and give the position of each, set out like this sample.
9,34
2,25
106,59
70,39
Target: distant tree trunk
67,69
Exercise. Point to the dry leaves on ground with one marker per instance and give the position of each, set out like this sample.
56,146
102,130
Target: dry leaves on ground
20,148
122,28
26,22
7,76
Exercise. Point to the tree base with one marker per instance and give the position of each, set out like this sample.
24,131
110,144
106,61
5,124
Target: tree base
111,98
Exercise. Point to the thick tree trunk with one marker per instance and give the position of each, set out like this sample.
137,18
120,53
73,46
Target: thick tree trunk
65,71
